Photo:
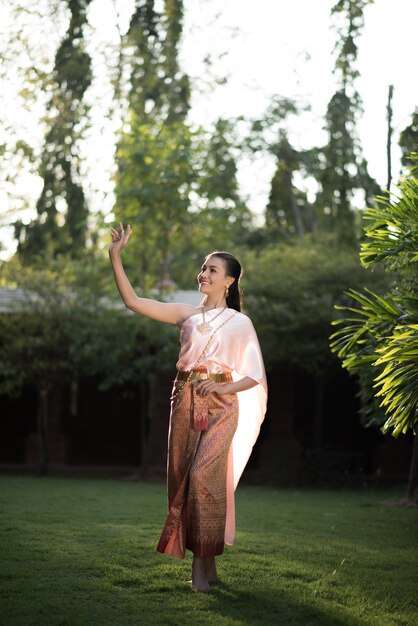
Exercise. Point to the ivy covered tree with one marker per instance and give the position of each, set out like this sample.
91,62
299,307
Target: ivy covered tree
288,212
61,222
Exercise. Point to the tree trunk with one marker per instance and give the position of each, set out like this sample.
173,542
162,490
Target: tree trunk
43,397
413,470
296,209
146,399
318,411
389,137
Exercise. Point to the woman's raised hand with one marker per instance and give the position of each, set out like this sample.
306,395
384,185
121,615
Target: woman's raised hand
120,238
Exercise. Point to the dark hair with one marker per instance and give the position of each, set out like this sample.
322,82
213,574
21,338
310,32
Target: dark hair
233,268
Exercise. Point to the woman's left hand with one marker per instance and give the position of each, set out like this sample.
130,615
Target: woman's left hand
209,386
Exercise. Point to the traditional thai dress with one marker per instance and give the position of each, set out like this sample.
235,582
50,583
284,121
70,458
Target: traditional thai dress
204,466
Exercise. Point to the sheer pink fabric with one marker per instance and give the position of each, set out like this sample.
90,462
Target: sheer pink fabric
234,348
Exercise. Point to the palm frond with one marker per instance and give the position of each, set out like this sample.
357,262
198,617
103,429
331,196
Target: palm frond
397,384
392,235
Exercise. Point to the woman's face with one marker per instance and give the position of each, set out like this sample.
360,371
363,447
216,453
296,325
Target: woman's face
212,277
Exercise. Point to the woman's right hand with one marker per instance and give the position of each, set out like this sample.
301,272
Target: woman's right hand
119,239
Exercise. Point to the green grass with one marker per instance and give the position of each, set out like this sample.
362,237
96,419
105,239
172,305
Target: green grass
82,553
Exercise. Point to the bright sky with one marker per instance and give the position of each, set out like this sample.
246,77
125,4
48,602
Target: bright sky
273,47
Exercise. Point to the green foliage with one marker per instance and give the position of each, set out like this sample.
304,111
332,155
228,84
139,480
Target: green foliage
34,351
292,292
217,168
217,218
118,347
378,338
69,327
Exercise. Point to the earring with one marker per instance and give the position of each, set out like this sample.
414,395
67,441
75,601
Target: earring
226,292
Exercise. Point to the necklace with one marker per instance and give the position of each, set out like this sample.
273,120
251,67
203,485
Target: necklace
204,327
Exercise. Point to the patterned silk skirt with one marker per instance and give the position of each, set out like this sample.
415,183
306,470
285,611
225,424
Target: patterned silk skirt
197,470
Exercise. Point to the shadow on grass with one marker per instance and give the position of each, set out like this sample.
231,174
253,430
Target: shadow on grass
166,586
269,607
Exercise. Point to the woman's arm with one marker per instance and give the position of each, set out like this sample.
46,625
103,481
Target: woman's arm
210,386
160,311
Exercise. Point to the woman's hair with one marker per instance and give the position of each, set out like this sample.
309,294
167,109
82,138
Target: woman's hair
233,268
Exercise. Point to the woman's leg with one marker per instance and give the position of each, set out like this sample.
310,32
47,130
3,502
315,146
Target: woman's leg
206,503
210,566
203,573
183,442
200,580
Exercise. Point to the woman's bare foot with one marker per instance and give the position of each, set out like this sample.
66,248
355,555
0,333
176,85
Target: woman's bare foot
210,567
200,580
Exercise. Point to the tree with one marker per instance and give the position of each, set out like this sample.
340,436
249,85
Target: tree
287,211
378,335
292,290
340,167
61,223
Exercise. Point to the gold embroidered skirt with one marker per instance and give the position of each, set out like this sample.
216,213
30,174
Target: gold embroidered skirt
197,469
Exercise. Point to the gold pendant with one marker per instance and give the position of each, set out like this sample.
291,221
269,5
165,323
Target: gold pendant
204,328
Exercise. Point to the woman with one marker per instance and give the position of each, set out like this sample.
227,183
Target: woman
217,406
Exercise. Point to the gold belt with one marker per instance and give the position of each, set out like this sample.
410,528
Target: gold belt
191,376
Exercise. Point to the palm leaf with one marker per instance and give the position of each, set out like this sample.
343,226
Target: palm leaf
392,235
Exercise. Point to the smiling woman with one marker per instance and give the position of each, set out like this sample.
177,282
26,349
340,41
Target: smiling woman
217,406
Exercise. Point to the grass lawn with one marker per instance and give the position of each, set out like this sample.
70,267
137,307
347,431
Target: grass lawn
81,552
